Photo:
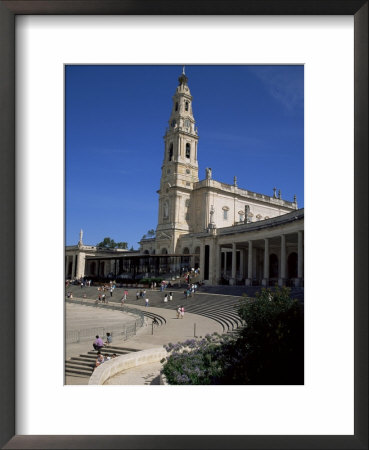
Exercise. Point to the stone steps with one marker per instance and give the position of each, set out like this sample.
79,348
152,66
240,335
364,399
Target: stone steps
84,364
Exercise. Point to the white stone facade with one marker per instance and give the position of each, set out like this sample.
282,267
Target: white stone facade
233,235
185,203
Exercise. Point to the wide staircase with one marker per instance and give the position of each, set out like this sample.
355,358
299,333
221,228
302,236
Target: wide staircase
84,364
221,308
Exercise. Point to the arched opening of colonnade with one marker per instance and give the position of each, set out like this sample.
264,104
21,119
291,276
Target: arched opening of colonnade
276,260
292,265
273,267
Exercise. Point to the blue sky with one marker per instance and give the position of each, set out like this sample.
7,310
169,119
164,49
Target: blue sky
250,121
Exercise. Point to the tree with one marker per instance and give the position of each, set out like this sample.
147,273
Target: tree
110,243
121,245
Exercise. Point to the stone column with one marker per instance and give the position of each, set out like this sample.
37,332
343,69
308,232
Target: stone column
282,277
249,268
73,265
80,265
300,259
66,266
266,262
232,281
225,263
242,271
218,259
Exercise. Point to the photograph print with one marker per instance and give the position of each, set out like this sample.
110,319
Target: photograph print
184,224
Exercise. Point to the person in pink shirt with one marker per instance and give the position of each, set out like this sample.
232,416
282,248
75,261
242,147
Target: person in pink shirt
98,344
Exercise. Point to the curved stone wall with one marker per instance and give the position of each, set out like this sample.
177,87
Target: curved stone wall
114,366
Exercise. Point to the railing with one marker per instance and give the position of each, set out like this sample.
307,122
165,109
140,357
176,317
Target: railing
123,331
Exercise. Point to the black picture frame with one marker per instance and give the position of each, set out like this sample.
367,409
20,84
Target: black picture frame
8,12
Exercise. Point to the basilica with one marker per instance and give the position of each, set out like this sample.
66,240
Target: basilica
232,235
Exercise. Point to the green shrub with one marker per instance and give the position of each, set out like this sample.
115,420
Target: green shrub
196,361
150,280
268,350
273,337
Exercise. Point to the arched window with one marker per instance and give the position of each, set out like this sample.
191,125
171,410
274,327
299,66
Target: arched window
186,106
146,252
164,251
225,212
176,106
170,156
188,150
186,251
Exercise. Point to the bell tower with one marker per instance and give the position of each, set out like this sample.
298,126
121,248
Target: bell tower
179,170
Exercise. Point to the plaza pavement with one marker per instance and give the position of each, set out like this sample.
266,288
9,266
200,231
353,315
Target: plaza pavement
174,330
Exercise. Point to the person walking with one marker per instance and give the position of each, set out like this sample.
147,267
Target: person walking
137,295
165,298
170,296
146,302
182,312
178,312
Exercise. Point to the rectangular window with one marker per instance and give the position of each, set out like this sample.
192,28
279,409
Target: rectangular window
225,214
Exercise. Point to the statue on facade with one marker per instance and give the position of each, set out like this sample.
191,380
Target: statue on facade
274,192
235,181
212,227
208,173
279,194
80,237
247,211
212,214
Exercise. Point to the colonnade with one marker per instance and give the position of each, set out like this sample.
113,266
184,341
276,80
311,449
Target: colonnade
251,260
